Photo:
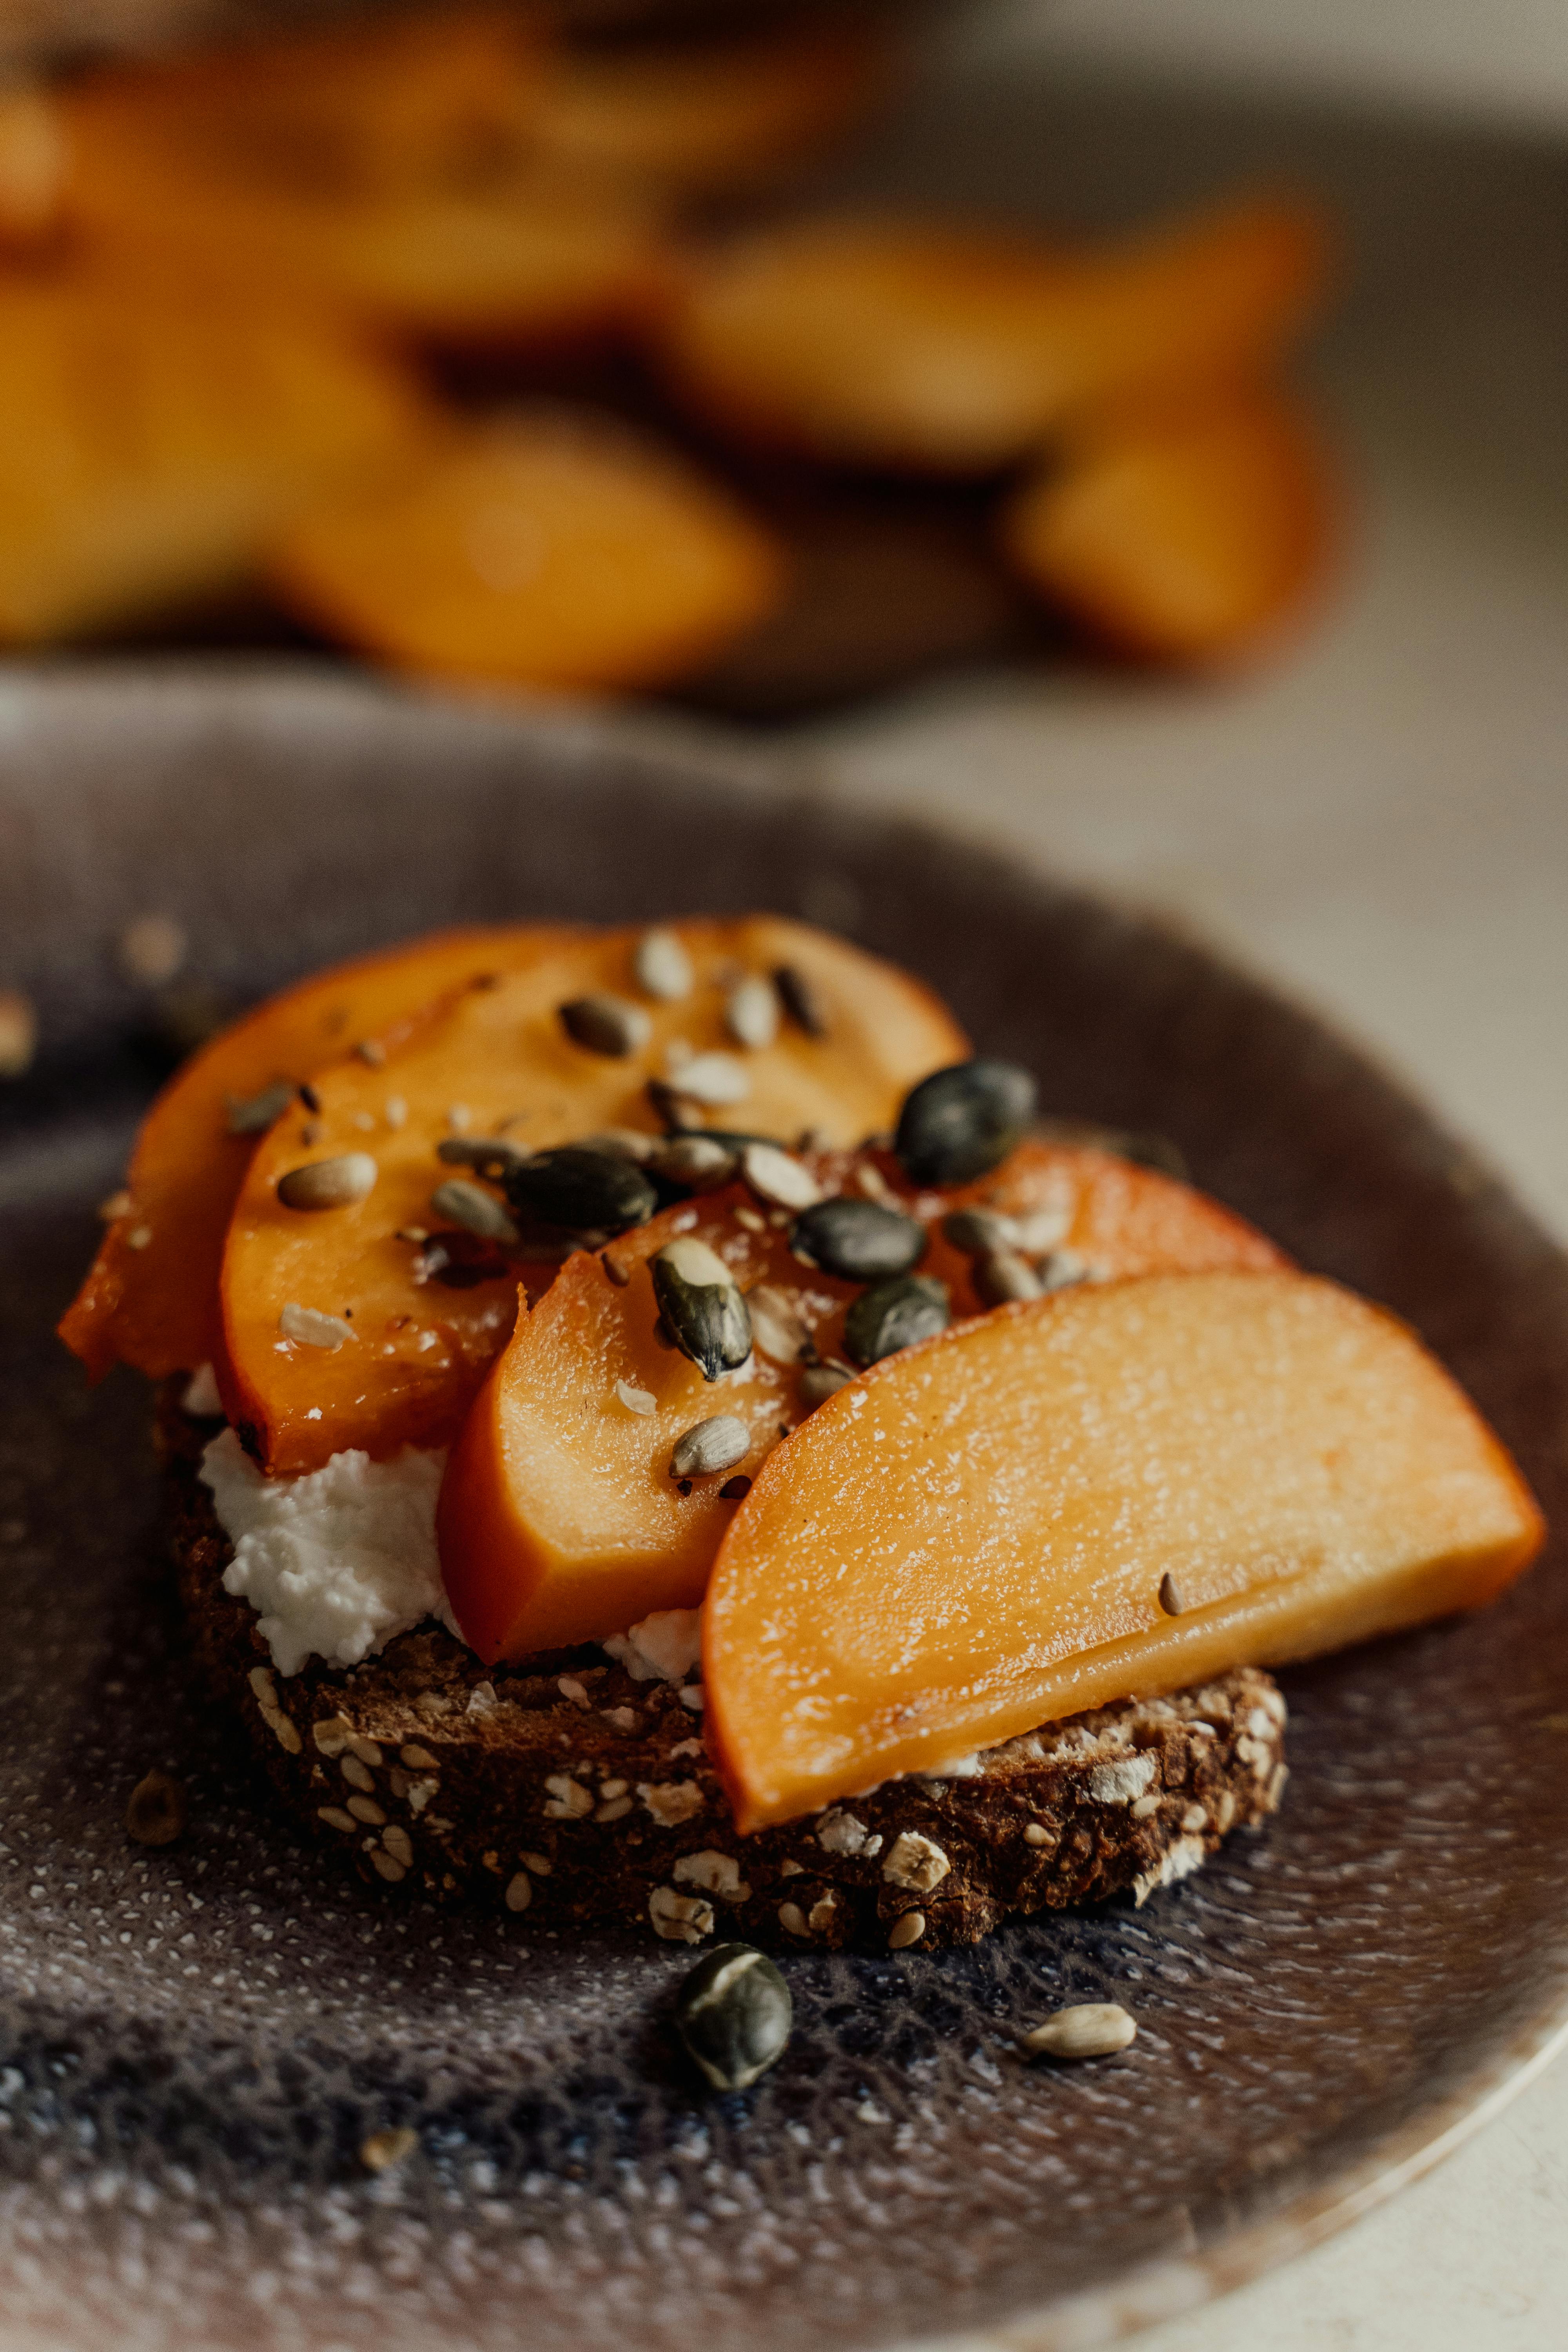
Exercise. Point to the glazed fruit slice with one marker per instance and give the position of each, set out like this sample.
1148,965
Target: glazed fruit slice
561,1519
151,1298
946,352
1118,1491
554,552
1186,539
511,1059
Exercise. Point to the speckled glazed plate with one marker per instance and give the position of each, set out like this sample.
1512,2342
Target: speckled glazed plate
196,2041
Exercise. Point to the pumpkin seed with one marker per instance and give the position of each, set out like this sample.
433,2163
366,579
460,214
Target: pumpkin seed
700,1307
819,1382
1001,1275
802,999
894,1314
1090,2028
255,1113
963,1121
606,1025
662,967
713,1080
698,1162
336,1183
490,1156
779,1177
155,1814
476,1211
751,1013
859,1240
711,1445
978,1231
733,2015
582,1192
777,1332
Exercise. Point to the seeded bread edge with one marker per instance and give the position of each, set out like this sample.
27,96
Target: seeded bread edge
566,1789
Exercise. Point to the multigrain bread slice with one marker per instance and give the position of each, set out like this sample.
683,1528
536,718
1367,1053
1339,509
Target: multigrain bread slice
566,1789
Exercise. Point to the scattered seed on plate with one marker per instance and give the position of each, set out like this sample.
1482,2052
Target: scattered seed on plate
621,1144
714,1080
751,1013
336,1183
894,1314
1002,1277
616,1273
475,1209
819,1382
907,1930
980,1232
1091,2030
802,999
733,2014
778,1177
309,1327
662,967
700,1307
151,949
963,1121
490,1156
636,1400
582,1192
1063,1269
382,2149
777,1330
606,1025
155,1814
858,1241
735,1490
698,1162
709,1446
255,1113
1172,1599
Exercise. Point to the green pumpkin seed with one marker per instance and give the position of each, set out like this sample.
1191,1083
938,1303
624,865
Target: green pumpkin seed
697,1162
709,1446
893,1316
475,1209
978,1231
582,1192
336,1183
802,999
858,1240
606,1025
819,1382
662,967
1002,1277
489,1156
700,1307
258,1112
962,1122
734,2014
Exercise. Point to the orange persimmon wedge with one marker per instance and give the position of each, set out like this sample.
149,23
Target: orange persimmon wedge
496,1060
545,550
560,1520
973,1539
1186,537
150,1297
32,167
958,352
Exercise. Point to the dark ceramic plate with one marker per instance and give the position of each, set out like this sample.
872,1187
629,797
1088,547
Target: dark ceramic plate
198,2039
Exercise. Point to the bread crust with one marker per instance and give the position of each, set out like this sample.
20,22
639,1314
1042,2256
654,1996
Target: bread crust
564,1788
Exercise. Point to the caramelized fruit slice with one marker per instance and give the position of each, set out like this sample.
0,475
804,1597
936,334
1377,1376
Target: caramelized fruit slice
560,1520
1186,537
703,117
151,1298
501,1059
159,435
547,551
938,350
974,1538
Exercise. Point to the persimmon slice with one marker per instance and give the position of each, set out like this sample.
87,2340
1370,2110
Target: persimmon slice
957,351
500,1060
32,167
994,1529
1186,539
150,1297
547,551
560,1519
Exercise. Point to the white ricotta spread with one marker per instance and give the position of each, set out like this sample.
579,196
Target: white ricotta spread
337,1562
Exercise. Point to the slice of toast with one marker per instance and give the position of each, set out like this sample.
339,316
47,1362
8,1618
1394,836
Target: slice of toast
566,1789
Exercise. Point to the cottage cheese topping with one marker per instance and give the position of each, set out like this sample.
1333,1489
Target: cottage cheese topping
337,1562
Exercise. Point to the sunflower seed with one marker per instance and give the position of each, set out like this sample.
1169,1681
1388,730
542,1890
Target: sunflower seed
962,1122
819,1382
621,1144
713,1080
695,1162
802,999
582,1192
641,1401
980,1232
490,1156
858,1241
777,1332
894,1314
606,1025
476,1211
309,1328
700,1307
155,1814
751,1013
1063,1269
779,1177
711,1445
733,2015
1001,1275
336,1183
1092,2029
255,1114
662,967
1173,1600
